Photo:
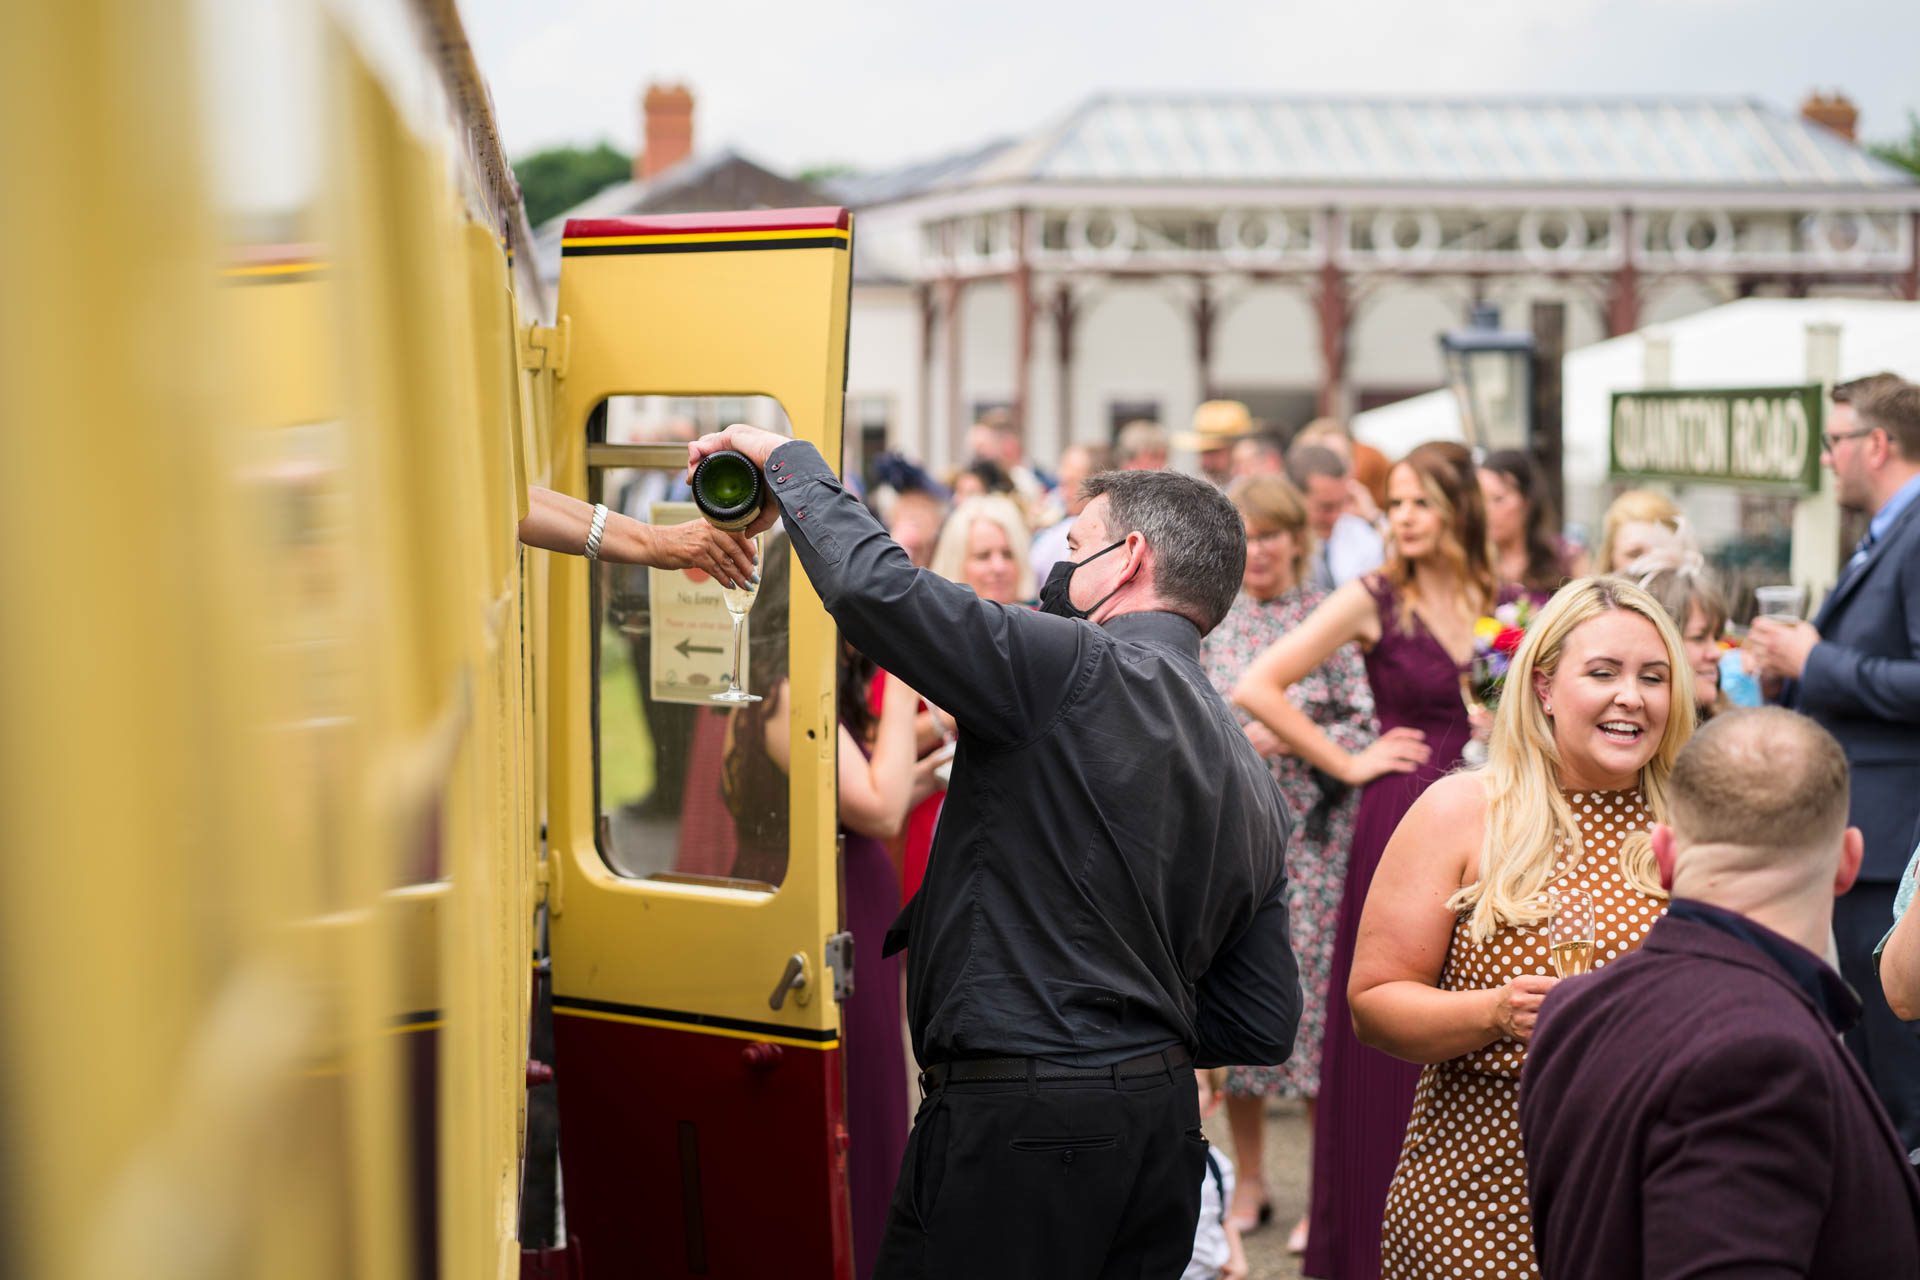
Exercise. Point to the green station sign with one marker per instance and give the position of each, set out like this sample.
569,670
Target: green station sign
1747,437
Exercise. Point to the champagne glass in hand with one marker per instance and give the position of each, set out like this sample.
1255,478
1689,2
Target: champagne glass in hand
739,601
1570,931
1474,753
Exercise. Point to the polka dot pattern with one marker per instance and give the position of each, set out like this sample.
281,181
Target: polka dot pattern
1458,1204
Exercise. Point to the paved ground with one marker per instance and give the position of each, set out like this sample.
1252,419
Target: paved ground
1286,1170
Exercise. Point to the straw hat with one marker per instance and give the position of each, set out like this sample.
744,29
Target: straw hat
1216,424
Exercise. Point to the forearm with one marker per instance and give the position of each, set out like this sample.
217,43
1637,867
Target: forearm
1305,739
1840,679
557,522
1001,670
892,764
1900,966
1247,1005
1420,1023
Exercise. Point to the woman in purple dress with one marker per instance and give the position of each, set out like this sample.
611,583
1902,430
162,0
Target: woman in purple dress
879,783
1414,619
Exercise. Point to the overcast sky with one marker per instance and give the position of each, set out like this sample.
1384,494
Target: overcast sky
879,83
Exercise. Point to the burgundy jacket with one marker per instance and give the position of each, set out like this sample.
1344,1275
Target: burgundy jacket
1689,1111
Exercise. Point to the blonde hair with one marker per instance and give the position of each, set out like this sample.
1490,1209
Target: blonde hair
1527,815
950,552
1635,506
1274,502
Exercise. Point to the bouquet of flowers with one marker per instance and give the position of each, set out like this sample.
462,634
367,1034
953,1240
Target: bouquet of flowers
1495,639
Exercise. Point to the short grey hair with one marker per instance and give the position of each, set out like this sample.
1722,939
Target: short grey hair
1307,460
1199,544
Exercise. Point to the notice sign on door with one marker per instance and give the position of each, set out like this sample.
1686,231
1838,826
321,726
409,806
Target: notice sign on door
692,630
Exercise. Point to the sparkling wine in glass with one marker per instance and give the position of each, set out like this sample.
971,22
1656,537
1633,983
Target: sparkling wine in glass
1570,931
739,602
1474,753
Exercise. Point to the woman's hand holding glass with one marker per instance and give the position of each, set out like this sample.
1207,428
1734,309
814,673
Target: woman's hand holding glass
1516,1006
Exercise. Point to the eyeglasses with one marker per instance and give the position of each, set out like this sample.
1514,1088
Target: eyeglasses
1828,439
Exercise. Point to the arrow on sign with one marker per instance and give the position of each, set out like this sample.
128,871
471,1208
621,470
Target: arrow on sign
687,648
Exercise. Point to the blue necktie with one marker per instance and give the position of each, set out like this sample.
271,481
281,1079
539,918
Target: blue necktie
1860,553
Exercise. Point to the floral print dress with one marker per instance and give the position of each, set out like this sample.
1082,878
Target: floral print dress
1336,697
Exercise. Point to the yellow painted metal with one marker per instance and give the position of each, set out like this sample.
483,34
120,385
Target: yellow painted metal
270,771
761,322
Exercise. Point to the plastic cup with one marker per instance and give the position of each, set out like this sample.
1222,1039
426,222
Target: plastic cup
1783,603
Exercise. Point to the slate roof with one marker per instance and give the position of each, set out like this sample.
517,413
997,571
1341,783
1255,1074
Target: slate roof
1600,142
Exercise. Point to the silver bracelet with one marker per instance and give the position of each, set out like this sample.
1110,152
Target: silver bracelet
598,528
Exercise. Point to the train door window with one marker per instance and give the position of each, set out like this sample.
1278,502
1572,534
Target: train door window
687,789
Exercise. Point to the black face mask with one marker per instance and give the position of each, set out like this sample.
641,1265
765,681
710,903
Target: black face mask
1054,597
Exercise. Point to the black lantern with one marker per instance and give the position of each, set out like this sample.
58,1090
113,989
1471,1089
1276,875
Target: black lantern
1491,374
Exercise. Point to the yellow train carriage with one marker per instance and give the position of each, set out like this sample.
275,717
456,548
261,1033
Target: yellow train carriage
299,744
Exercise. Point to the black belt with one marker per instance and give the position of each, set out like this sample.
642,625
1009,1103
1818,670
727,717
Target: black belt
1022,1070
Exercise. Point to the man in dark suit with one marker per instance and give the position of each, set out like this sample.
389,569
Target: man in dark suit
1856,669
1688,1110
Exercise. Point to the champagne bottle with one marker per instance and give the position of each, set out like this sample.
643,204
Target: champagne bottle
728,489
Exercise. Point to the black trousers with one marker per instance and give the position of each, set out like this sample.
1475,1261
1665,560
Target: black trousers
1886,1047
1053,1180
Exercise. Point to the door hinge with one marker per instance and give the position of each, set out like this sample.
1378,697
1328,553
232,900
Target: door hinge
546,346
546,883
839,958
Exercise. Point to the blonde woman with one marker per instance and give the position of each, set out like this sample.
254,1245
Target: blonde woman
984,545
1639,522
1452,960
1413,619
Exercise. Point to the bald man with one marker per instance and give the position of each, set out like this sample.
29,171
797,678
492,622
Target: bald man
1689,1110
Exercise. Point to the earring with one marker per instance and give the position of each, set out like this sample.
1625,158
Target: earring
1547,707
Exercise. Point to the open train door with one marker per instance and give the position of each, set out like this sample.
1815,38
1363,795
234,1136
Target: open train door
694,887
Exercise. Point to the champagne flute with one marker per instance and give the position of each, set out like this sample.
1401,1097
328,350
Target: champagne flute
1570,931
1474,753
739,602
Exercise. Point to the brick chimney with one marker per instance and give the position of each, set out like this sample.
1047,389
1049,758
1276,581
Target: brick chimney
666,127
1834,111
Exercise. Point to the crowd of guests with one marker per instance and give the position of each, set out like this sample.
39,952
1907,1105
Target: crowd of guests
1418,888
1749,886
1685,1110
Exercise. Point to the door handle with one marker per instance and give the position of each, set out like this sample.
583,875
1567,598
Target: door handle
794,979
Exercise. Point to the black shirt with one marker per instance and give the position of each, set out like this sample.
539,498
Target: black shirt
1830,994
1108,877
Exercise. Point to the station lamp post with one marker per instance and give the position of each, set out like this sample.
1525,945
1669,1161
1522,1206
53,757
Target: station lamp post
1491,374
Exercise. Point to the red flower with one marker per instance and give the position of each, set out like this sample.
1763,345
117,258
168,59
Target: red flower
1508,640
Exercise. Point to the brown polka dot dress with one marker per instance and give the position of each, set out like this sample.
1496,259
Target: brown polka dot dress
1458,1204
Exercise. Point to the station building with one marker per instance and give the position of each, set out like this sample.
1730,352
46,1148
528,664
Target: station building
1301,254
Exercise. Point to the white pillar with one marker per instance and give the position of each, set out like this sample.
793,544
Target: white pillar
1816,517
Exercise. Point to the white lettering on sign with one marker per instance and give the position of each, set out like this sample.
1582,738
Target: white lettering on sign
1727,437
1685,434
1769,438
